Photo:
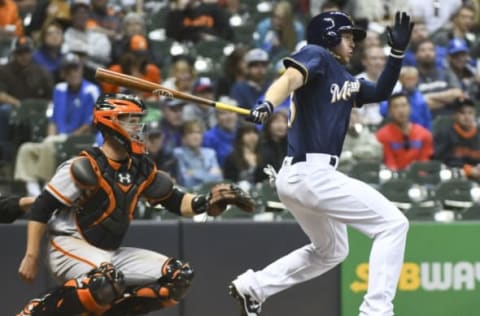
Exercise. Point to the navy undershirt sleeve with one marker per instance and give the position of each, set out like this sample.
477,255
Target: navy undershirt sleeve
43,207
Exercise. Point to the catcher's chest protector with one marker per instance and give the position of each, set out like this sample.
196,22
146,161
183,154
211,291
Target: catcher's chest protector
105,214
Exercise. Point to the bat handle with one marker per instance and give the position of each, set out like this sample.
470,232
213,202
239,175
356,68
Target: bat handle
231,108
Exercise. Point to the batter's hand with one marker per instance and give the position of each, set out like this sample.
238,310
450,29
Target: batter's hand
28,268
261,112
399,35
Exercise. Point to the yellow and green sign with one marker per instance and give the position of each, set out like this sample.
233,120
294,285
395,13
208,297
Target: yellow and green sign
440,276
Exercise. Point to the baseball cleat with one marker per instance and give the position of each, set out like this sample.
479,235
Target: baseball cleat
249,306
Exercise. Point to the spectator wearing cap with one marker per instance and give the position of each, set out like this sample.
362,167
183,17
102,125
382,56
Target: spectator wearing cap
202,87
97,44
135,62
73,102
247,92
403,141
171,123
193,21
20,79
458,145
281,32
164,160
11,24
48,54
460,72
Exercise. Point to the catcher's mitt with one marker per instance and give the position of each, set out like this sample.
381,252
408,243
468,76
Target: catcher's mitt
223,194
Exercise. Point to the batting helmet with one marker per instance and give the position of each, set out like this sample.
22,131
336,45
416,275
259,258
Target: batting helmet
325,29
117,115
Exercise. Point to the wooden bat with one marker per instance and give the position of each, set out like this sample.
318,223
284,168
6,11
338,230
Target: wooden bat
139,84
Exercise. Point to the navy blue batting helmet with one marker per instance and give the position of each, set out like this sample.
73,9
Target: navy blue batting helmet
325,29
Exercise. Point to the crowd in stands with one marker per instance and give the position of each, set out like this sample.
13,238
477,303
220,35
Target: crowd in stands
50,49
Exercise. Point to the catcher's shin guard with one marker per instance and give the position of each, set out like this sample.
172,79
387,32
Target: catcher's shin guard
93,294
166,291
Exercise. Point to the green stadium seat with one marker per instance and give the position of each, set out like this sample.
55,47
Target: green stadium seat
30,121
471,213
72,146
425,172
366,171
455,194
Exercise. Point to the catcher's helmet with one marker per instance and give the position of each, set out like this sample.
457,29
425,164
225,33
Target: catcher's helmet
117,115
325,29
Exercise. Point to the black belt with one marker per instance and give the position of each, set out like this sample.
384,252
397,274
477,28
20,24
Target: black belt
303,157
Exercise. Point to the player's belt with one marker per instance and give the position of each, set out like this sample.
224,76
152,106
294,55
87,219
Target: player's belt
303,157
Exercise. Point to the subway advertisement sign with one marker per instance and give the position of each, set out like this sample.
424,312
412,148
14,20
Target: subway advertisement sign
440,276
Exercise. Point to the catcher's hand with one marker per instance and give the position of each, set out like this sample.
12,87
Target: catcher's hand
223,194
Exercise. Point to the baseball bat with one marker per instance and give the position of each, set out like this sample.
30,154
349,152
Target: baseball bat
139,84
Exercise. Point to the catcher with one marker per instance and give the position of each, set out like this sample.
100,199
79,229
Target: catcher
88,205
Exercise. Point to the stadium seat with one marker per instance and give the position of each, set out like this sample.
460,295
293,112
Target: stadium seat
30,121
471,213
72,146
397,191
455,194
425,172
424,211
366,171
267,197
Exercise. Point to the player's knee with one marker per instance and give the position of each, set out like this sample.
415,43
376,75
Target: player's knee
104,284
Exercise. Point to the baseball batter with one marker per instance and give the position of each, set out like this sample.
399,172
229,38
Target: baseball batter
323,200
89,204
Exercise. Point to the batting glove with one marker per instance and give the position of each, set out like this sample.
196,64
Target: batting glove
261,112
399,35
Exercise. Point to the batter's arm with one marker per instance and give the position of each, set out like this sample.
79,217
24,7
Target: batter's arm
280,89
371,92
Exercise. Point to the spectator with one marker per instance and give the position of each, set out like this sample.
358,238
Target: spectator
419,111
420,34
47,11
403,141
155,148
182,75
360,144
246,92
435,13
132,24
197,164
171,123
11,24
373,60
380,11
273,143
458,145
48,55
20,79
460,73
279,34
433,81
135,62
203,87
460,27
98,45
73,102
220,137
235,70
104,19
196,20
242,163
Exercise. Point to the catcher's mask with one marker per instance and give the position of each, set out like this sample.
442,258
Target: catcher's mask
120,116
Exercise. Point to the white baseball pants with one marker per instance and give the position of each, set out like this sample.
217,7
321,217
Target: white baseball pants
324,201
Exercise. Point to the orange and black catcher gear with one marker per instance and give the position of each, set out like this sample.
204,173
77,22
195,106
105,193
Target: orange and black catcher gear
110,110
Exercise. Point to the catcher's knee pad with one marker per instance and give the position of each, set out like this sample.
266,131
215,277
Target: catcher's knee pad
94,293
172,286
